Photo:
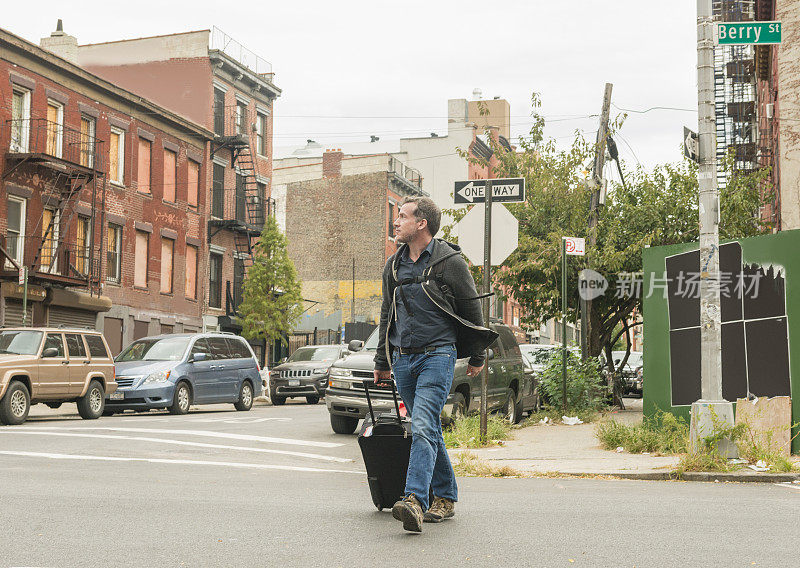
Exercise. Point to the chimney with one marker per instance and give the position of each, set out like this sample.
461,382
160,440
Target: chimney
332,163
61,44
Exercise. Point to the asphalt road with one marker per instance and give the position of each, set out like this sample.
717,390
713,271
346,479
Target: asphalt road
275,487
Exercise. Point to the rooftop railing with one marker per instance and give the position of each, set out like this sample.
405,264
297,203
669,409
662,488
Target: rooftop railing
235,50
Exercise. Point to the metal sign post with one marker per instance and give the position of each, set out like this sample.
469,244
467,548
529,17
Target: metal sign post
23,276
564,326
487,285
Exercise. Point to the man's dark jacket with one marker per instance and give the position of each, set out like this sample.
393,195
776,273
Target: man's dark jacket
450,286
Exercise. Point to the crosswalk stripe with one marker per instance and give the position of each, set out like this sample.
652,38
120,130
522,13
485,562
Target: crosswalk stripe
173,462
177,443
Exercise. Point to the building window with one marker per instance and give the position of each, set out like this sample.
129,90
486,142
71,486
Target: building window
218,191
20,119
261,134
145,173
55,128
116,155
82,244
140,261
215,280
191,272
50,222
392,214
219,112
167,253
241,118
88,130
170,174
193,184
15,236
114,253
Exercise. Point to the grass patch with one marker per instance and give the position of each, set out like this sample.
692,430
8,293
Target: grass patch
586,415
464,432
661,434
469,464
755,446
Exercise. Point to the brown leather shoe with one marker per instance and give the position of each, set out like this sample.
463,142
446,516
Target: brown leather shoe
440,510
409,511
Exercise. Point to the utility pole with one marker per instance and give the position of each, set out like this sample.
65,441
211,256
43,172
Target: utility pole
597,186
711,411
353,300
487,288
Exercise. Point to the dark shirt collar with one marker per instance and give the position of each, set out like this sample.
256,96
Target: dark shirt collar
428,249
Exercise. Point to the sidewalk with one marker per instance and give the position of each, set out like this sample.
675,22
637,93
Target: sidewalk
575,450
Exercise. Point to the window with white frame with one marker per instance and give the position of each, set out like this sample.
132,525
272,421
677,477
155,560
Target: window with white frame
261,134
20,119
116,158
88,129
15,235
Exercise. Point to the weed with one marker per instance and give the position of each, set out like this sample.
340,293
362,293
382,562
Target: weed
586,415
662,433
469,464
464,432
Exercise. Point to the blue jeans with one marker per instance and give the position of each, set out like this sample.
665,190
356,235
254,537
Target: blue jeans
424,381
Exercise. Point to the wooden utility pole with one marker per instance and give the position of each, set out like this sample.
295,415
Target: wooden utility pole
597,187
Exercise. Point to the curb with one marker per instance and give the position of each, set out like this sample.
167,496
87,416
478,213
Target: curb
702,476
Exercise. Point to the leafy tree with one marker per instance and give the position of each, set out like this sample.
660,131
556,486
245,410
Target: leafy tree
272,297
653,208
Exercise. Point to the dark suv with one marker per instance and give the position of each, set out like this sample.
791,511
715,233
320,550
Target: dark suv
510,390
304,374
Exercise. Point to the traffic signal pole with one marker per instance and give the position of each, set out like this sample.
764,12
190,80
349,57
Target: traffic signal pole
711,411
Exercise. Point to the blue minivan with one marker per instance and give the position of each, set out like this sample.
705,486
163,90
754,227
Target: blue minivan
178,370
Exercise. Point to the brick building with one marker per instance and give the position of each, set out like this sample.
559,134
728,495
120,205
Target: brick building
212,80
337,212
103,198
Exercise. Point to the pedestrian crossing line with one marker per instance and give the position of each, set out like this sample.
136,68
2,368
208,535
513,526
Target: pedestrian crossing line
179,443
206,433
175,462
242,420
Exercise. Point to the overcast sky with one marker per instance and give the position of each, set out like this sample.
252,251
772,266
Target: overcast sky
352,68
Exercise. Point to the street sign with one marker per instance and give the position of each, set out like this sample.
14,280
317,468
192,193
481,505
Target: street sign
748,33
690,145
576,246
505,234
21,278
472,191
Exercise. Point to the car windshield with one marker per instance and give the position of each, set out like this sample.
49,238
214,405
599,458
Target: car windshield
20,342
372,342
538,355
634,359
314,354
156,349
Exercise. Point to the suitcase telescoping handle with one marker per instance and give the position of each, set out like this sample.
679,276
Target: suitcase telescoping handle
367,383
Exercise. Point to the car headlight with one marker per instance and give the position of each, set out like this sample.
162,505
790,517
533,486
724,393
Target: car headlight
158,377
333,383
339,372
320,371
639,373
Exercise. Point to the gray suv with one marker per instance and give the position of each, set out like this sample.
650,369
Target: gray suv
304,374
510,389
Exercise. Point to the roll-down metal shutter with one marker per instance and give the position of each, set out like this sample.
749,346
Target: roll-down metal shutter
71,317
14,313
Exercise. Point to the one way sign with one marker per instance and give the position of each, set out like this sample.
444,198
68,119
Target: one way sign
473,191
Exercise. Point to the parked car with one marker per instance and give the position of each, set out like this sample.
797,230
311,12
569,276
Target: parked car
53,366
304,373
510,389
178,370
632,372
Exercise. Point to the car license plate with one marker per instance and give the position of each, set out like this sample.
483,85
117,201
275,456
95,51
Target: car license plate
117,396
294,382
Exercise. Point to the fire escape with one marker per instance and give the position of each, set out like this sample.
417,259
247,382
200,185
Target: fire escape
240,209
63,166
735,95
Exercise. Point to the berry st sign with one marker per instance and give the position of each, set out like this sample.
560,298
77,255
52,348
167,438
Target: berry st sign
473,191
748,33
575,246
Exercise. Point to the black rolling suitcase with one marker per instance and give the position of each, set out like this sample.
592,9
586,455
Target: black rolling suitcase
385,442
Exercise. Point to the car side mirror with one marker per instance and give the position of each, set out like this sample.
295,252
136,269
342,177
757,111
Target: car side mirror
355,345
284,360
199,357
491,354
50,352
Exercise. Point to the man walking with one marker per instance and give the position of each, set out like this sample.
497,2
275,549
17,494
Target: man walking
430,316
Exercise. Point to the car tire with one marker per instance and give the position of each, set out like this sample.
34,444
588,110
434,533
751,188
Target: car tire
512,407
278,400
343,424
459,406
92,404
245,401
312,399
182,399
15,405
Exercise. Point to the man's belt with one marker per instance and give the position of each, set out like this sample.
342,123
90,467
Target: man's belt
418,350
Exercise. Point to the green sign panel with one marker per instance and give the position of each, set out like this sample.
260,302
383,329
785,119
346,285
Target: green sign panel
748,33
